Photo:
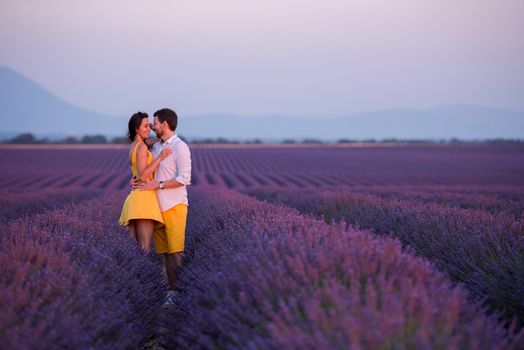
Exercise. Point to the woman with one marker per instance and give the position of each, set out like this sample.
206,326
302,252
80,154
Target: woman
141,211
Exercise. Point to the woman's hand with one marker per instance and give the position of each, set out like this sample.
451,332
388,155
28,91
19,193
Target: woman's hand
165,153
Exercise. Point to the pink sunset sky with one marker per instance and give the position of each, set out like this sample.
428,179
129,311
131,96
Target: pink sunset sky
308,58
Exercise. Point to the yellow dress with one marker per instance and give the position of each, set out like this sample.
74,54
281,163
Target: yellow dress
141,204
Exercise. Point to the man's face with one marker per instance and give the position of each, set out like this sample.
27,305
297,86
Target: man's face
157,126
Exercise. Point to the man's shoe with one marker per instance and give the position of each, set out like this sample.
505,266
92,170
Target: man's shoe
171,297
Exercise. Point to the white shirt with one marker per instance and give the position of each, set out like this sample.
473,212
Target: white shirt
176,166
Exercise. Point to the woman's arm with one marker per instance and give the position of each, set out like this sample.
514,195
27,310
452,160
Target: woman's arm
144,170
150,141
183,176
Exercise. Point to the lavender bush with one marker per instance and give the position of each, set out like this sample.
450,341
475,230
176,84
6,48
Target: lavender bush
16,204
262,276
483,251
73,279
494,199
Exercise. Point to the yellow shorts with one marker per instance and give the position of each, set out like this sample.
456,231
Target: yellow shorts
170,237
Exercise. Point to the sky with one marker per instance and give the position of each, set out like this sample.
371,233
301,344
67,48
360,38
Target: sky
260,57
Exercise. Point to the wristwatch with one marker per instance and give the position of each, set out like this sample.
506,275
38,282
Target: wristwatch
161,185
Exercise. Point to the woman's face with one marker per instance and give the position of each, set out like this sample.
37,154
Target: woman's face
145,129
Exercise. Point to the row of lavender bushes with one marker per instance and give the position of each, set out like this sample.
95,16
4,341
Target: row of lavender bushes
495,199
483,251
72,279
17,204
262,276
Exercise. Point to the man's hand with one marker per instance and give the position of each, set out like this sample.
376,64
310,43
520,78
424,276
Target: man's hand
134,182
150,141
147,186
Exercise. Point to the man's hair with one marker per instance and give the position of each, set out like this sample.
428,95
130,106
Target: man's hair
167,115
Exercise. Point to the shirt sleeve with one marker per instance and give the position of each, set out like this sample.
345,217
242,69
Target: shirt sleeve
183,165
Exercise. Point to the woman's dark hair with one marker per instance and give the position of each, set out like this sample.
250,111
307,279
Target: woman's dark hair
134,123
167,115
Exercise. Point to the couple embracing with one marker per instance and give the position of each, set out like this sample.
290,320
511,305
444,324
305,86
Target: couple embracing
156,208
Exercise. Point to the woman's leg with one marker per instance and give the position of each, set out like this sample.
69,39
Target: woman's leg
132,230
144,230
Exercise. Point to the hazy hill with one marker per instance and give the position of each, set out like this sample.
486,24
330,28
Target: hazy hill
27,107
461,121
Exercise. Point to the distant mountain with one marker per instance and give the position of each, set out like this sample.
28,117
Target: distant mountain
460,121
27,107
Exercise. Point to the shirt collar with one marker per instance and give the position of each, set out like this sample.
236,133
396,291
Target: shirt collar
169,140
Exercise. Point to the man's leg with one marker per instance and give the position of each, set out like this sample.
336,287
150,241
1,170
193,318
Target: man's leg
175,223
173,264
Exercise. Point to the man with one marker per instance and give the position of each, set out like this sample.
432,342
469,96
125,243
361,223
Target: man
171,178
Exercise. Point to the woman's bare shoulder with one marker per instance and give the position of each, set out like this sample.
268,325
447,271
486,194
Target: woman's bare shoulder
142,148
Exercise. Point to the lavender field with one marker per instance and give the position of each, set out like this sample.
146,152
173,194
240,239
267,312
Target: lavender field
287,247
237,167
